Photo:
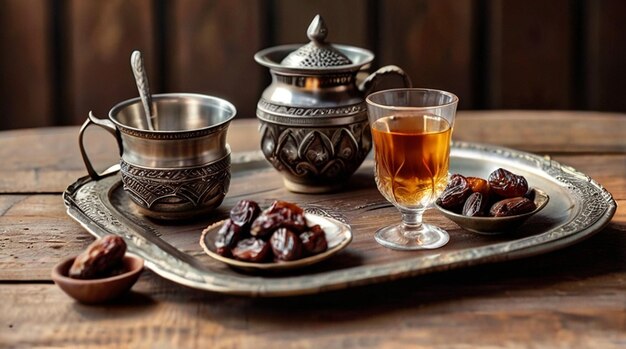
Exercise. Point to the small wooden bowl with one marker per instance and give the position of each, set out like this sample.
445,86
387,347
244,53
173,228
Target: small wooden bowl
93,291
495,225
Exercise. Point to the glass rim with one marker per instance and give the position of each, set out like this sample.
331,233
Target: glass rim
455,99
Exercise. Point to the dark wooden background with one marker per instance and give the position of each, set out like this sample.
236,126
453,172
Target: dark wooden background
61,58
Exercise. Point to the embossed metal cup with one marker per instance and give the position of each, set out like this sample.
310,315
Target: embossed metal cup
180,169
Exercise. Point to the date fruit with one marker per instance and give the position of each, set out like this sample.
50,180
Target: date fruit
455,194
280,214
478,185
286,245
252,250
244,213
512,207
475,205
314,240
227,237
507,184
503,194
99,259
530,194
279,233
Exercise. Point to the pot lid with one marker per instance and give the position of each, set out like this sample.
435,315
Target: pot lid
317,53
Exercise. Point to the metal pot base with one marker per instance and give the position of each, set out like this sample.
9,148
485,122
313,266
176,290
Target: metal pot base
312,188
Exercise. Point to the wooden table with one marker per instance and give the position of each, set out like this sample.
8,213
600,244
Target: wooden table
574,297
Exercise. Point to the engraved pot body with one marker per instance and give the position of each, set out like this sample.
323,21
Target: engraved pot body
316,137
314,124
180,169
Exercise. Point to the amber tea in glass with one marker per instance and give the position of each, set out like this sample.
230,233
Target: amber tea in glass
411,131
412,159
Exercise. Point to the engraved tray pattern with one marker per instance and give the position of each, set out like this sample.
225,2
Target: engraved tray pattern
589,208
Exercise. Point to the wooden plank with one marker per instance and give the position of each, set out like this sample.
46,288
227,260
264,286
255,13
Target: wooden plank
35,235
546,299
51,161
573,297
432,41
210,47
347,21
606,54
530,54
25,64
102,36
544,131
48,160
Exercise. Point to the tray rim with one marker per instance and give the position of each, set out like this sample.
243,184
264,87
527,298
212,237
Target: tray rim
178,267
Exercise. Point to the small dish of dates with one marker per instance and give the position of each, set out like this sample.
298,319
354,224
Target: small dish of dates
283,236
495,205
100,273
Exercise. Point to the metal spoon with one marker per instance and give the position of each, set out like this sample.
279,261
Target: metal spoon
141,78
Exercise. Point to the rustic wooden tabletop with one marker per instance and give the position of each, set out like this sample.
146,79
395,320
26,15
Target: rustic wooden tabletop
574,297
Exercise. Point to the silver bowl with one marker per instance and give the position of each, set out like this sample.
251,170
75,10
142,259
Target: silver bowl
495,225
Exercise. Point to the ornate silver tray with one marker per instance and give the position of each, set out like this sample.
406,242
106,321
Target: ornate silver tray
578,208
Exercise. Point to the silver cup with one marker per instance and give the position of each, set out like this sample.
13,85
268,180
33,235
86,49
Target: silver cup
180,169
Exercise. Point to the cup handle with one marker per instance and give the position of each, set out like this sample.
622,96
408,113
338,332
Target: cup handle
109,126
389,76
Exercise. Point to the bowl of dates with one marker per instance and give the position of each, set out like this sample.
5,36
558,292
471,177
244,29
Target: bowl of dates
100,273
498,204
283,236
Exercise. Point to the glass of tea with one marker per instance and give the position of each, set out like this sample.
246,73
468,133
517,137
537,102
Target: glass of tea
411,130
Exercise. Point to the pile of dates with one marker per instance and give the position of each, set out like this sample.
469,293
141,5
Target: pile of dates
103,258
280,233
503,194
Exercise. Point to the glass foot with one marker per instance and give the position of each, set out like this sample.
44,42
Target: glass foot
401,237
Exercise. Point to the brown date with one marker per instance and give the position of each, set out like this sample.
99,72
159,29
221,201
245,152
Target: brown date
530,194
99,259
455,194
475,205
286,245
478,185
507,184
280,205
279,214
512,207
244,213
280,233
314,240
227,238
252,250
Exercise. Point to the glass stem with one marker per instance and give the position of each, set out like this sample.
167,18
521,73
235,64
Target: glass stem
412,219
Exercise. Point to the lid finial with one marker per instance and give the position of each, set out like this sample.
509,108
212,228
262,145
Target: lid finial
317,30
317,53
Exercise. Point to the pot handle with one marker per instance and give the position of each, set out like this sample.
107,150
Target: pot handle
109,126
389,76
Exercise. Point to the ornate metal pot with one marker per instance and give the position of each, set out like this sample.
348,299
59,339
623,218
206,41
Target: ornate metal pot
314,127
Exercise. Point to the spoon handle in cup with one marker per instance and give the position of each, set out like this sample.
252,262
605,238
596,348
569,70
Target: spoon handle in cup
141,78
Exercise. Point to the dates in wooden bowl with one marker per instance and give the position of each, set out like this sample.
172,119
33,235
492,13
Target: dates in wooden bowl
498,204
100,273
282,236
